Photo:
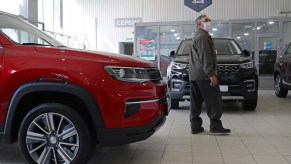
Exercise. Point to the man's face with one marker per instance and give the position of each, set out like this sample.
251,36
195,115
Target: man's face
203,20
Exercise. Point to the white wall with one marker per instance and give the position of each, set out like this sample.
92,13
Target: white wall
82,16
105,11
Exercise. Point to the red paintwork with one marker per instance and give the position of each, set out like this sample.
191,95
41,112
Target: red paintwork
21,64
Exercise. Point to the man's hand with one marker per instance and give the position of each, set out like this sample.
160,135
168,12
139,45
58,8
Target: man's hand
213,81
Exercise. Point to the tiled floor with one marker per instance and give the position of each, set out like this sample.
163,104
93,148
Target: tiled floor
260,137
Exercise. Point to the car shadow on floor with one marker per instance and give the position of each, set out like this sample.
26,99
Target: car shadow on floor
228,107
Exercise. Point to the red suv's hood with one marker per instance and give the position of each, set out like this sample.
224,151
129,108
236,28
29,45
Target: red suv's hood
105,57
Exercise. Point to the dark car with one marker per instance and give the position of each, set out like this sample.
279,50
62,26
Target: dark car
267,59
282,73
237,75
58,102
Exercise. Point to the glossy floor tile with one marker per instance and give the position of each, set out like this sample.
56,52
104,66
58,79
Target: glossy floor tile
258,137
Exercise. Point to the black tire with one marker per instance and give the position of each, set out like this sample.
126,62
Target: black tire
174,104
54,132
279,90
250,105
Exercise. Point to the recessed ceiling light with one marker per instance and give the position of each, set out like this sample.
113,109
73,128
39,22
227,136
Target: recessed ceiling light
271,22
246,34
238,37
173,30
214,29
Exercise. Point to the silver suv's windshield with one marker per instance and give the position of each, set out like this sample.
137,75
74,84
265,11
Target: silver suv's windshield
221,47
21,32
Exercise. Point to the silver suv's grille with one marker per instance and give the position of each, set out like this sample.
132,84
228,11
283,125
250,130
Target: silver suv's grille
227,68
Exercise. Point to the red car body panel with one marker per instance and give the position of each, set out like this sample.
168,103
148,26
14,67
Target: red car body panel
24,64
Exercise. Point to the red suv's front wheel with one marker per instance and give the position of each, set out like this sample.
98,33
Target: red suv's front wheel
54,133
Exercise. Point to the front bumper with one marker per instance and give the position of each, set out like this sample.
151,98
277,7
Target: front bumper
112,137
231,89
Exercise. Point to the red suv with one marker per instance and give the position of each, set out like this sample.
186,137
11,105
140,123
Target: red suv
57,102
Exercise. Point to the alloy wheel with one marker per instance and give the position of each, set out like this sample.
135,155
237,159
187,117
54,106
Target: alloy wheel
52,138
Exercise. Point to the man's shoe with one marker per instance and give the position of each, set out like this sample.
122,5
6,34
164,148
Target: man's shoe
220,130
198,130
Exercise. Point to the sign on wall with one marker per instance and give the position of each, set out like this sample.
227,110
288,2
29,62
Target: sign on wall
126,22
147,49
197,5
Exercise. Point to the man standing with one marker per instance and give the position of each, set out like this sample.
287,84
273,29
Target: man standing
204,81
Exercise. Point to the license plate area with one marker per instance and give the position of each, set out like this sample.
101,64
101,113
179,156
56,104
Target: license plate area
223,88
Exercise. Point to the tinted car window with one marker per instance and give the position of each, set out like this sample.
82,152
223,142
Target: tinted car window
222,47
185,48
226,47
288,52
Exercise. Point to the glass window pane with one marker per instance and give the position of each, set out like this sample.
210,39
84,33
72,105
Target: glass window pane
170,38
188,30
220,30
244,34
268,27
286,31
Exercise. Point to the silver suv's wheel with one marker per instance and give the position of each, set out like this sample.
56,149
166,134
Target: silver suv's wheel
54,133
279,90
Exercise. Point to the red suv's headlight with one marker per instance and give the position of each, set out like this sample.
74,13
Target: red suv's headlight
133,74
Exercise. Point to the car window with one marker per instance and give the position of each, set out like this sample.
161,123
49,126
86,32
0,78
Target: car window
21,32
226,47
185,48
221,46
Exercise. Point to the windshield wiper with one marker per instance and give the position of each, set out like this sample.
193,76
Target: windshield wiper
37,44
182,55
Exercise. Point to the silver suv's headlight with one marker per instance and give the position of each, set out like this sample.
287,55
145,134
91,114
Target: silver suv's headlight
178,65
247,65
133,74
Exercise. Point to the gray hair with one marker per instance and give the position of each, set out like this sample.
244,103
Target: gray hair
198,20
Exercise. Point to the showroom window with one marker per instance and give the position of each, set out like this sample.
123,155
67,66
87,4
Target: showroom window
244,34
170,38
286,33
268,27
58,15
188,30
220,30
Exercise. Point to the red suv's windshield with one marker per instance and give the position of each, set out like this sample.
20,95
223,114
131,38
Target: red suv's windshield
23,33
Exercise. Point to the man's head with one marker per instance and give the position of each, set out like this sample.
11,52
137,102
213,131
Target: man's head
203,22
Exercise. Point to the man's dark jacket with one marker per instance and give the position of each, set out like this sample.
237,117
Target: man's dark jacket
202,61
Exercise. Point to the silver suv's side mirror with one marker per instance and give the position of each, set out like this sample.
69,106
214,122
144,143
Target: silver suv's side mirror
172,54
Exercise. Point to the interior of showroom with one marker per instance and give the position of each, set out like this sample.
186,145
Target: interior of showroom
152,30
117,27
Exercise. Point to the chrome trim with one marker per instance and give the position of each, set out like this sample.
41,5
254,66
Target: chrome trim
148,101
286,83
251,90
227,64
186,97
232,98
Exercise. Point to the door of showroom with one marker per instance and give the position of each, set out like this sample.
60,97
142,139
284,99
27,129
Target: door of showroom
265,57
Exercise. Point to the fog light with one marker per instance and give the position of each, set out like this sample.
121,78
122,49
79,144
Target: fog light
131,109
250,85
176,85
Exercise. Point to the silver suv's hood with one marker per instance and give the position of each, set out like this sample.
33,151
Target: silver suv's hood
221,59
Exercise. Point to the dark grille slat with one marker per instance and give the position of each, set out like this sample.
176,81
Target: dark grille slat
227,68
